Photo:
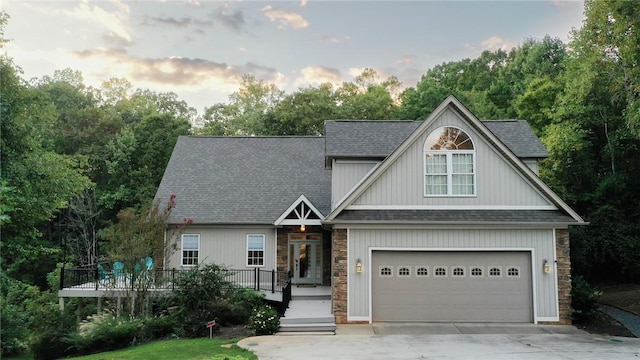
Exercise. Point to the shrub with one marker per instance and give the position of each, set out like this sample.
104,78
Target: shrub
159,327
107,332
13,331
264,320
584,300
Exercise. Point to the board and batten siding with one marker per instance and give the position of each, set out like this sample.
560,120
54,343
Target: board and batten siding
361,243
497,181
224,246
345,174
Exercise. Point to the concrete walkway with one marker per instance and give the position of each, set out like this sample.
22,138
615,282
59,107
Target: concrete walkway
411,341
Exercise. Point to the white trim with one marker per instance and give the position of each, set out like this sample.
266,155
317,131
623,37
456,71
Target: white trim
547,318
182,250
358,318
451,207
449,160
531,251
534,287
348,274
300,222
302,218
264,250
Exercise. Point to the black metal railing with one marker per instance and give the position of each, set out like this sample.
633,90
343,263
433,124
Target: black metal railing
94,278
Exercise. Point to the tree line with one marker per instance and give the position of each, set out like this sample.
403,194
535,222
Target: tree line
74,156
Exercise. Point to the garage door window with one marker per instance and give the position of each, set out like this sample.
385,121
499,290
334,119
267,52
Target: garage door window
495,271
458,271
404,271
385,271
440,271
513,272
476,271
422,271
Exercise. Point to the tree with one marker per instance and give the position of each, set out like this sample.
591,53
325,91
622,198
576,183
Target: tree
245,112
41,181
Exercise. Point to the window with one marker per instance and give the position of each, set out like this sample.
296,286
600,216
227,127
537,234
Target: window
457,271
449,163
476,271
255,250
422,271
190,249
495,271
385,271
440,271
513,272
404,271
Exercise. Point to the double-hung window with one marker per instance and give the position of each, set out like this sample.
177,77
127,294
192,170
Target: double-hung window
190,249
255,250
449,163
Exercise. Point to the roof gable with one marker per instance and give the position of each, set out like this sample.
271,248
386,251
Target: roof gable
301,212
451,103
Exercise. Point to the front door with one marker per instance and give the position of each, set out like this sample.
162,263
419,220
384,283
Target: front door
305,258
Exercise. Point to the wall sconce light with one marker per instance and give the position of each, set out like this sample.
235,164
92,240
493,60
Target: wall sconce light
302,228
546,267
358,266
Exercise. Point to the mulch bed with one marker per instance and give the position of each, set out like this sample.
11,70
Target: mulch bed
605,325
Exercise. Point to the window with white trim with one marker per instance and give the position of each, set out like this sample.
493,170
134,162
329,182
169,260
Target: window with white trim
495,271
440,271
422,271
255,250
513,271
457,271
476,271
190,249
449,163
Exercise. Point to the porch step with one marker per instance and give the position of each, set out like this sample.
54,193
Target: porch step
308,316
322,328
309,320
311,297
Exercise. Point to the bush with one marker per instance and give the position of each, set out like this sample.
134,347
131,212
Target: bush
584,300
13,331
264,320
204,294
107,332
159,327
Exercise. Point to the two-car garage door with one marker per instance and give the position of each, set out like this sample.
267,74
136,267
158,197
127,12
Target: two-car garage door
478,286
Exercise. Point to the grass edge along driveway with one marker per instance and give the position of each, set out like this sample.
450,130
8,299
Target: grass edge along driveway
201,348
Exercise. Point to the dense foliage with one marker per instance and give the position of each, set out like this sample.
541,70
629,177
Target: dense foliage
80,164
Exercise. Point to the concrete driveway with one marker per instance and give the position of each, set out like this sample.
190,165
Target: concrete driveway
445,341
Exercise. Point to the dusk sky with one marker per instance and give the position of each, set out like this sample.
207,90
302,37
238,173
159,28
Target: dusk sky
201,49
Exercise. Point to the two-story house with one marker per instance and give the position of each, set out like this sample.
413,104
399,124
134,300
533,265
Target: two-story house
438,220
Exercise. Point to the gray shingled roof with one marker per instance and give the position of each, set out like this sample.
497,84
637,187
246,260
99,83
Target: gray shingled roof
242,180
518,137
378,138
458,216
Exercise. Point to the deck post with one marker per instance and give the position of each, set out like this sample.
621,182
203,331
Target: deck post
61,303
273,281
118,306
62,277
99,304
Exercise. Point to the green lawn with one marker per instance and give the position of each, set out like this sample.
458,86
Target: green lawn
203,348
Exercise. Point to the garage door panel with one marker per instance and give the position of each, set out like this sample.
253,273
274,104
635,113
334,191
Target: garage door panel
479,298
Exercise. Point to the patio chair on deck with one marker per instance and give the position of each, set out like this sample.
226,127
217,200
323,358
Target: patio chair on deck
103,276
118,273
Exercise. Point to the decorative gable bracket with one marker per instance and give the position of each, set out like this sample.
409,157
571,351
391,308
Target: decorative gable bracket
301,212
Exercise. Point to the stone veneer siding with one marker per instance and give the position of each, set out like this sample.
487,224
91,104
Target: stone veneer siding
563,267
339,275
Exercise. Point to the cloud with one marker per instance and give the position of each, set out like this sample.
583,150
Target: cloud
303,3
285,19
408,59
175,22
175,71
333,39
231,18
315,75
496,43
114,21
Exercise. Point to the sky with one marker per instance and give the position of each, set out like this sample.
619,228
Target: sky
200,49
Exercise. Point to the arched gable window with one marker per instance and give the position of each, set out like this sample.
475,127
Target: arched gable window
449,163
